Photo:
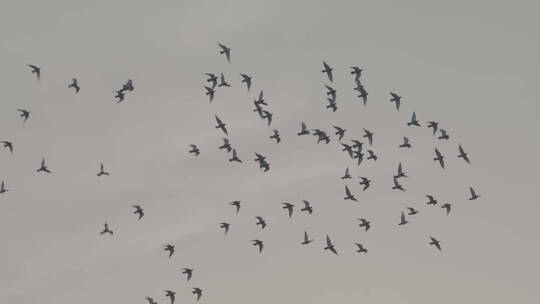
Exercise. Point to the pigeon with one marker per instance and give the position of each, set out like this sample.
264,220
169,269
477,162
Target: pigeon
289,208
403,220
346,175
347,148
328,71
364,223
432,201
3,188
304,130
210,93
348,194
25,114
306,239
74,84
369,135
35,70
197,291
372,155
212,78
444,135
397,99
225,226
236,204
247,80
261,222
260,101
150,300
321,136
365,182
332,104
43,167
435,243
268,116
412,211
276,136
414,121
220,125
448,207
225,50
361,248
439,158
9,145
473,194
434,125
463,155
339,132
226,145
222,82
106,229
330,246
120,95
397,185
258,243
400,172
138,210
170,294
363,93
194,150
307,207
357,72
406,143
170,249
102,171
188,272
235,157
331,91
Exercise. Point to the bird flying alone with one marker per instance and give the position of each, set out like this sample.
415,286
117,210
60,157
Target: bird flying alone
35,70
171,295
106,229
396,99
188,272
225,50
473,194
225,226
25,114
74,84
403,221
306,239
328,71
210,92
8,145
221,125
139,211
307,207
330,246
247,80
194,150
197,291
361,248
435,243
463,155
349,195
102,171
235,157
289,208
439,158
259,244
43,167
170,249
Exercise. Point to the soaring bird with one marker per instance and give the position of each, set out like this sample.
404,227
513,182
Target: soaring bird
364,223
25,114
435,243
150,300
339,132
236,204
43,167
331,91
194,149
304,130
225,50
188,272
431,200
9,145
448,207
369,135
102,170
403,221
397,185
74,84
356,71
120,95
222,82
35,70
328,71
106,229
463,155
444,135
247,80
197,291
225,226
226,145
289,208
365,182
346,175
330,246
220,125
473,194
306,239
307,207
235,157
361,248
3,188
396,98
400,172
212,78
414,121
170,294
406,143
260,222
276,136
372,155
348,194
139,211
412,211
258,243
210,92
170,249
439,158
260,100
434,125
332,104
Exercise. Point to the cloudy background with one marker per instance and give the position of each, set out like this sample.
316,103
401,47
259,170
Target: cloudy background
471,65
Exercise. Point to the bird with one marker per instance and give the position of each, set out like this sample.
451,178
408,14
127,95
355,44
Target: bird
448,207
258,243
74,84
247,80
304,130
235,157
330,246
365,182
322,136
43,167
439,158
412,211
307,207
403,221
432,200
347,148
106,229
220,125
138,210
406,143
435,243
372,155
120,95
150,300
444,134
225,50
414,121
364,223
210,93
197,291
400,172
170,294
225,226
357,144
102,170
397,185
128,86
222,82
339,132
348,194
194,150
276,136
473,194
3,188
35,70
261,222
332,104
346,175
25,114
268,116
236,204
358,155
434,125
226,145
369,135
289,208
463,155
331,91
361,248
260,100
396,98
363,93
356,71
9,145
306,239
328,71
188,272
170,249
212,78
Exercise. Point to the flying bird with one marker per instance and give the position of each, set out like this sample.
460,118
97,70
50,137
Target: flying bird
357,72
197,291
258,243
268,116
372,155
347,148
220,125
139,211
339,132
364,223
414,121
463,155
128,86
434,125
304,130
210,93
194,149
403,221
406,143
369,135
473,194
170,249
362,92
222,82
226,145
74,84
235,157
247,80
150,300
43,167
412,211
306,239
365,182
307,207
432,200
260,222
212,78
444,135
171,295
3,188
328,71
331,91
25,114
332,104
225,50
106,229
260,100
9,145
435,243
120,95
276,136
396,99
102,171
346,175
361,248
439,158
397,185
236,204
330,246
400,172
348,194
188,272
225,226
289,208
35,70
448,207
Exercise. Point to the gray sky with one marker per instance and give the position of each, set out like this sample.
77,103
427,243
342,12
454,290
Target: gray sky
472,66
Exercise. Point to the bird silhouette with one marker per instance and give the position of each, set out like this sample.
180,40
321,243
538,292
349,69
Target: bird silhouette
413,121
369,135
372,155
128,86
339,132
412,211
223,82
432,200
306,239
328,71
74,84
307,207
197,291
3,188
365,182
212,78
346,175
332,104
361,248
171,295
9,145
357,72
194,149
120,95
268,116
226,145
258,243
403,221
43,167
289,208
397,185
106,229
396,99
448,207
260,101
139,211
444,135
210,92
188,272
225,50
25,114
463,155
330,246
348,149
473,194
220,125
276,136
150,300
170,249
434,125
348,194
364,223
321,136
330,91
304,130
225,226
439,158
236,204
406,143
247,80
102,171
400,172
362,92
235,157
260,222
435,243
35,70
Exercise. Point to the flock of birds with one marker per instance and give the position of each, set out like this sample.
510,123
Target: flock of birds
354,149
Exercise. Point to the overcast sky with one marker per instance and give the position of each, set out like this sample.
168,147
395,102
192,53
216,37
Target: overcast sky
471,65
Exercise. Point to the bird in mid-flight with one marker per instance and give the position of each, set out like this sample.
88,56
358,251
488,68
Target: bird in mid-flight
357,72
307,207
225,226
362,92
188,272
473,194
369,135
414,121
43,167
197,291
102,171
258,243
212,78
330,246
25,114
448,207
138,210
406,143
396,99
9,145
403,221
220,125
365,182
412,211
432,200
150,300
35,70
289,208
222,82
236,204
74,84
397,185
304,129
247,80
364,223
435,243
434,125
339,132
348,194
170,249
328,71
235,157
260,222
332,104
439,158
400,172
3,188
210,92
120,95
171,295
306,239
444,135
225,50
194,149
346,175
226,145
361,248
106,229
372,155
276,136
463,155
